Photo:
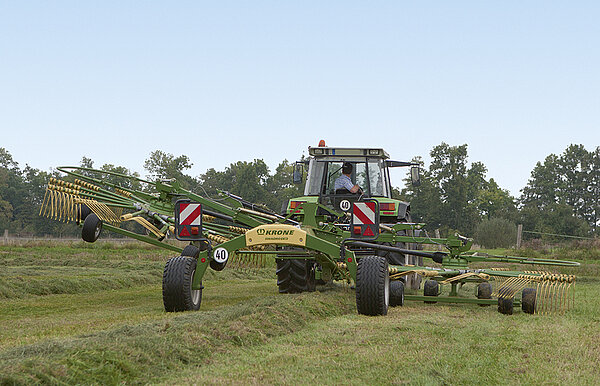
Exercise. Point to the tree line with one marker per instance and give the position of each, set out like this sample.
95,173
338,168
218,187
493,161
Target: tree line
562,195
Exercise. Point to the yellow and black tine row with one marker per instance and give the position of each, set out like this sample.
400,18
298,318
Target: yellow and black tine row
216,238
122,192
238,230
208,218
552,290
397,274
465,276
554,296
143,222
87,185
511,286
247,261
87,190
101,210
59,205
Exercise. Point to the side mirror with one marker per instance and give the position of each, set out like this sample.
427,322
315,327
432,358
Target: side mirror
415,176
297,176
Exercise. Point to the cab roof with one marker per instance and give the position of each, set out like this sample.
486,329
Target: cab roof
322,151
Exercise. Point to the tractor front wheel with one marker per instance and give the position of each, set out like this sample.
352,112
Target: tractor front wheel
295,275
178,277
372,286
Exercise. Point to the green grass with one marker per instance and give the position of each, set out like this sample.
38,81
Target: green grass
428,344
104,324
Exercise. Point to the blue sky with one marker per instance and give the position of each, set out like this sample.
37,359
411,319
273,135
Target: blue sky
228,81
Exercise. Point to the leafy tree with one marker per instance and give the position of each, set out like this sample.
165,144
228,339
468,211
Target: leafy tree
161,165
281,186
245,179
570,181
496,233
118,180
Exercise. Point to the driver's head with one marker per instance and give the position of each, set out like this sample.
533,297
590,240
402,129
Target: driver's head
347,168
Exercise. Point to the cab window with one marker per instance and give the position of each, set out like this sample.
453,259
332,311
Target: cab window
377,178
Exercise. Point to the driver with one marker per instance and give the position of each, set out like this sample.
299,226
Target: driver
343,184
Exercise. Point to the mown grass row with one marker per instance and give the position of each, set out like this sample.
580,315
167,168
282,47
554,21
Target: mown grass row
60,269
154,351
423,344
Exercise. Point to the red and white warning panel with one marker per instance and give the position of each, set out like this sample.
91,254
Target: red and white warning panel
365,219
188,220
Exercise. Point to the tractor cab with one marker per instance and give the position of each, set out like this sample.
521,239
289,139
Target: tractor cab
370,172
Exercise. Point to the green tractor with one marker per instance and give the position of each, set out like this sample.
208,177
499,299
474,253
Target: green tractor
367,239
370,171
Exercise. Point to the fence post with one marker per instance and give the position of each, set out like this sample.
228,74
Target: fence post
519,235
6,235
437,236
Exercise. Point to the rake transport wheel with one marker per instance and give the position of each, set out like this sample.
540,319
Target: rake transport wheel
505,305
92,227
528,300
372,286
431,288
396,293
178,294
484,291
82,212
295,275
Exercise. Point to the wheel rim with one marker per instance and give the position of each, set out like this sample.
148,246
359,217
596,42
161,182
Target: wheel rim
195,294
98,230
386,291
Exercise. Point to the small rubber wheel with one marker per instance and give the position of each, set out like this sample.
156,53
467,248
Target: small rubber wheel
396,293
505,306
92,227
190,251
528,300
178,277
82,212
431,288
372,286
484,291
217,266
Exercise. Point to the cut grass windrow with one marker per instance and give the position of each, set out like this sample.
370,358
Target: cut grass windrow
147,351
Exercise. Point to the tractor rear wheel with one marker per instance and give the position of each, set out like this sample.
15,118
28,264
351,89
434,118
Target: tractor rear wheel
295,275
431,288
484,291
528,300
92,227
396,293
372,286
178,277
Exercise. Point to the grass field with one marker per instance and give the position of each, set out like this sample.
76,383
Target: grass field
94,314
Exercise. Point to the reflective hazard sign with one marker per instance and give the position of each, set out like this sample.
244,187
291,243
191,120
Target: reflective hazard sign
365,219
188,220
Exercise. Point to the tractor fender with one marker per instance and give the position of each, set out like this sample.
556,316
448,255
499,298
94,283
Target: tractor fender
403,210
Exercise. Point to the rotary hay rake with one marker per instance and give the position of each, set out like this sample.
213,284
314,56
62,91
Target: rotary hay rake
312,244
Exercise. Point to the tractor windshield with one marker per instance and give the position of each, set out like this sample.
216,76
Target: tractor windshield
368,174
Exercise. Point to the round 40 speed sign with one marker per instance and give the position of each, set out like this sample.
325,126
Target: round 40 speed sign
220,255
